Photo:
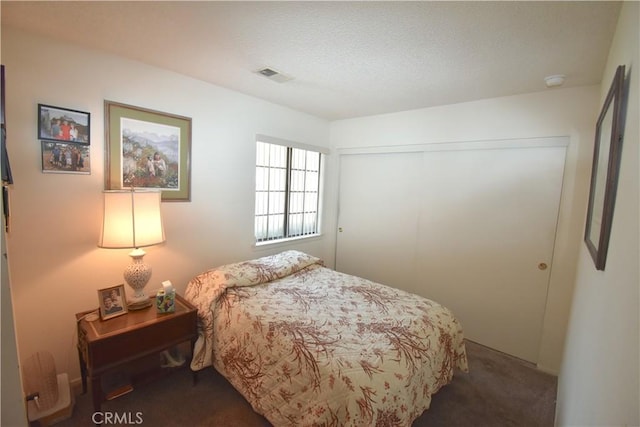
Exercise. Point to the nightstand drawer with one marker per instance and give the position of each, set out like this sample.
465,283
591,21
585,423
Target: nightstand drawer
138,342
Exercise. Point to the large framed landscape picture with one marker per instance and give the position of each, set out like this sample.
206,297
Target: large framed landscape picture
148,149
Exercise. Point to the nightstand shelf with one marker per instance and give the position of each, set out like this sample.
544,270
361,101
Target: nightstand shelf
109,346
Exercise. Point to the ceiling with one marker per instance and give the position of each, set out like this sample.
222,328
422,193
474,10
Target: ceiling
347,59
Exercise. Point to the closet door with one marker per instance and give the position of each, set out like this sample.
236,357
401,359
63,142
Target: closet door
487,240
379,216
475,231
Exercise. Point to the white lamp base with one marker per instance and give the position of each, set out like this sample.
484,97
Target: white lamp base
137,274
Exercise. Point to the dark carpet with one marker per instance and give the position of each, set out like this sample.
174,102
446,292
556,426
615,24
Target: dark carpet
499,390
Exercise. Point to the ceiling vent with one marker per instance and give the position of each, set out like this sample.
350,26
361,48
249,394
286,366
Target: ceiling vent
274,75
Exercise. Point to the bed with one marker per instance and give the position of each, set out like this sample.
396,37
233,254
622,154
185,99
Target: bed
310,346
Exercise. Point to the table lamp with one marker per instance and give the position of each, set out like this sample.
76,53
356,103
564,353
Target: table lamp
132,219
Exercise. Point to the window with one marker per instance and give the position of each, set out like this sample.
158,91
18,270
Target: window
287,191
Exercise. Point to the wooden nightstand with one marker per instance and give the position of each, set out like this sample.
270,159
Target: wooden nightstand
105,345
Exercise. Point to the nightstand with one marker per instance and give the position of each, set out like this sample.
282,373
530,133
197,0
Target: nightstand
105,345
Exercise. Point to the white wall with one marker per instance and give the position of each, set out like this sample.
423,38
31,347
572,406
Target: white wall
599,382
557,112
54,262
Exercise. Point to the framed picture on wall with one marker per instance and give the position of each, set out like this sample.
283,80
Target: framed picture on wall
604,172
112,302
59,157
148,149
63,124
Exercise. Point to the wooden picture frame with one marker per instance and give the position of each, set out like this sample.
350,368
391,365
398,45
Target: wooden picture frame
604,172
112,301
63,125
148,149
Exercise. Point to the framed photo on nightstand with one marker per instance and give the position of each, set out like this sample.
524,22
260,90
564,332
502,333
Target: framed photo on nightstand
112,302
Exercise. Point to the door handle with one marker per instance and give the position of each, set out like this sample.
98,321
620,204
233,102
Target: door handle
542,266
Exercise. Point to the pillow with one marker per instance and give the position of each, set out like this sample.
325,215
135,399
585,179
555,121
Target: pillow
205,289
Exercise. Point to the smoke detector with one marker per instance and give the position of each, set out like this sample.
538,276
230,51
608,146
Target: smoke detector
555,80
274,75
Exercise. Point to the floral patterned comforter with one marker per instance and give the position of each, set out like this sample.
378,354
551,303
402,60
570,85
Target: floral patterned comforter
310,346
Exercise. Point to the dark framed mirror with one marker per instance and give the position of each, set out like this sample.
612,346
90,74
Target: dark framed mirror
604,172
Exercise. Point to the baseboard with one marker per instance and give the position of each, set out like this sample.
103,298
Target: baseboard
76,386
547,370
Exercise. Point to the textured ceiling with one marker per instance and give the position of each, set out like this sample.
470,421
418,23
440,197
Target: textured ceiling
347,59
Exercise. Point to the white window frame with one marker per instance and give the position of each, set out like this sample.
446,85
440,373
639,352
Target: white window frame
285,235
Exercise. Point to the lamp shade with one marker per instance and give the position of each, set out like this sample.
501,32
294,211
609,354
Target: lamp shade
132,219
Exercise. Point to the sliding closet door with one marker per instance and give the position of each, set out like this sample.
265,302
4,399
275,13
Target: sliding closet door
473,229
379,216
488,235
